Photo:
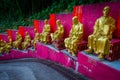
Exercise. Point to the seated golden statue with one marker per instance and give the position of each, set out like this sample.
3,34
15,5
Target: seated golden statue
8,45
18,41
27,41
99,41
2,44
44,36
36,39
59,33
75,36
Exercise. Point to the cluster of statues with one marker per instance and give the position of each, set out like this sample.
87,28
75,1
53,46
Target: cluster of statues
4,46
98,42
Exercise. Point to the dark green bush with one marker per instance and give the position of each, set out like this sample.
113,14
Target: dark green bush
14,13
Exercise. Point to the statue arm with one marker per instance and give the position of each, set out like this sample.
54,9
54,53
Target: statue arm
71,31
81,29
113,25
96,26
112,28
62,30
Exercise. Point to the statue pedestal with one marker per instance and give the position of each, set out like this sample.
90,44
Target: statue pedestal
59,44
96,69
5,56
32,53
68,60
53,53
42,51
48,52
16,54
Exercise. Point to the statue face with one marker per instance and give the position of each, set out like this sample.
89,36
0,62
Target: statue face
58,22
26,33
46,21
35,30
106,11
75,20
17,33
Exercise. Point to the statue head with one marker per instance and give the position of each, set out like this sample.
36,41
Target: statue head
9,37
106,11
58,22
75,20
35,30
46,21
17,33
26,33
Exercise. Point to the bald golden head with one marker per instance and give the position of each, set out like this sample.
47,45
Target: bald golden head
106,11
46,21
75,20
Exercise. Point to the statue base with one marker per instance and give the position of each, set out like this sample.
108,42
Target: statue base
16,54
97,69
32,53
68,60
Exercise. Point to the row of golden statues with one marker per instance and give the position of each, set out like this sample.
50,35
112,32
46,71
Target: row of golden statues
98,42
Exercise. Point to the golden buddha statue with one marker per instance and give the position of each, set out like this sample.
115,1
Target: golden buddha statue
18,41
36,39
44,36
2,44
27,41
99,41
8,45
10,40
75,36
59,33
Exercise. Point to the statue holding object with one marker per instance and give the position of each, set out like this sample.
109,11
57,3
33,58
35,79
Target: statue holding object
99,41
75,36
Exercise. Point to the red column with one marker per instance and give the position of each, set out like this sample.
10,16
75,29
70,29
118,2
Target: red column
21,31
9,32
52,22
118,26
36,24
77,11
0,37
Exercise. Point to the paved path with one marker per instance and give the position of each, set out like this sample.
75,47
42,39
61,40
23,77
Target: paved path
36,69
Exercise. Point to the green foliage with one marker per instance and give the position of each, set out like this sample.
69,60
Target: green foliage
14,13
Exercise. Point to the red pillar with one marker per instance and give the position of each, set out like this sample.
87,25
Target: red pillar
52,22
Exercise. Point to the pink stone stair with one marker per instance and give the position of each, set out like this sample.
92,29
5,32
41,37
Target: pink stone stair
16,54
97,69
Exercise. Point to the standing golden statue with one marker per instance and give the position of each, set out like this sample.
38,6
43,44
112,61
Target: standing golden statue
59,33
75,36
36,38
18,41
27,41
44,36
99,41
